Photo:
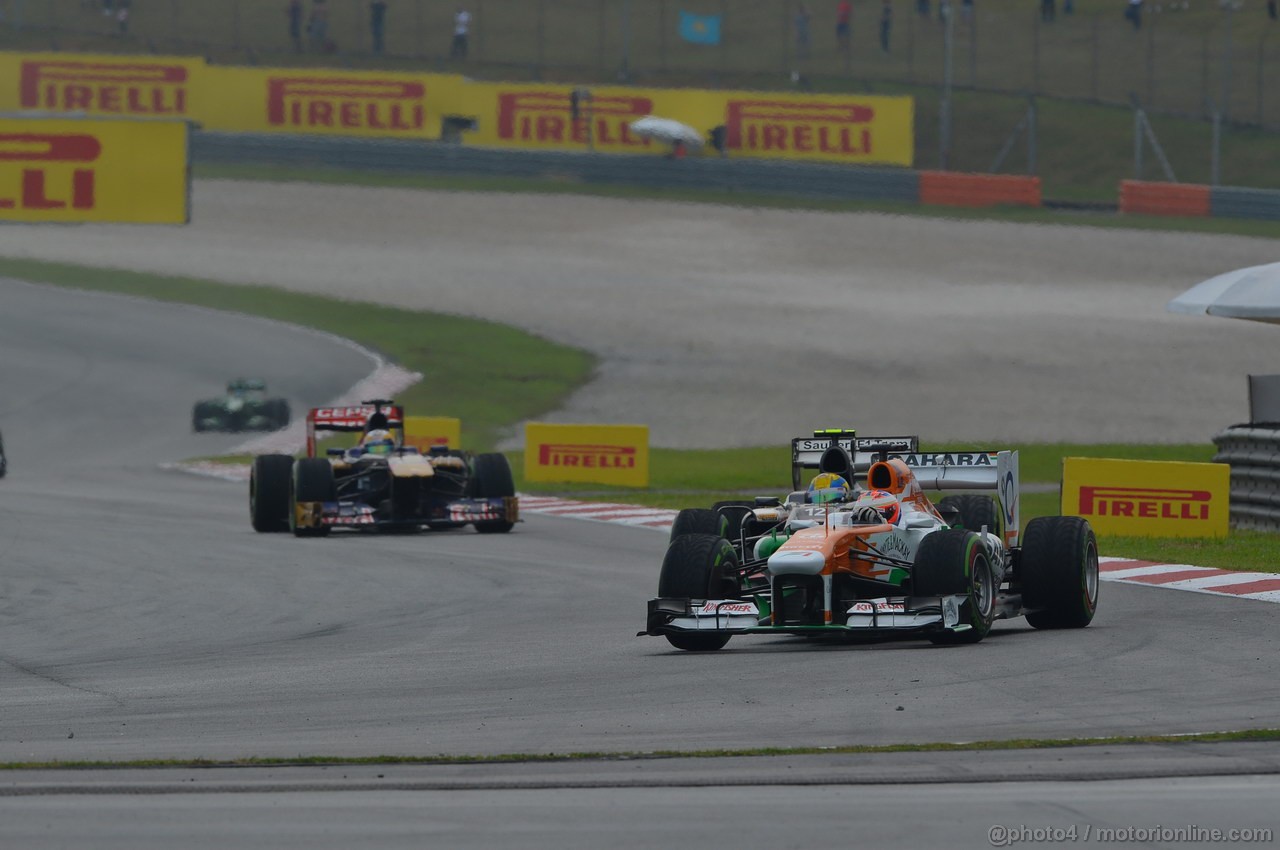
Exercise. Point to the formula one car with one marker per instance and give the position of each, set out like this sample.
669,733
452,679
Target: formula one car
245,407
876,558
380,484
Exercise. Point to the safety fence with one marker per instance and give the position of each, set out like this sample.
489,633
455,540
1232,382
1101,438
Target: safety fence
1253,452
1187,58
1187,199
703,173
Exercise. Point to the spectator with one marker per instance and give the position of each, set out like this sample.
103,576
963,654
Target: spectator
461,29
802,31
318,26
1068,7
108,8
1048,10
122,18
1271,9
1133,12
966,10
944,10
922,8
844,14
294,13
886,23
377,23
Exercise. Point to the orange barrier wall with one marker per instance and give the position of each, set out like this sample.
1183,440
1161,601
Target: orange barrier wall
954,189
1138,196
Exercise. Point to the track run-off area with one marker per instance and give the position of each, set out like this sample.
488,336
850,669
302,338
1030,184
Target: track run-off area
142,618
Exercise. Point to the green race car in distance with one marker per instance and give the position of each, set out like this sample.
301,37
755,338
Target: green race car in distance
245,407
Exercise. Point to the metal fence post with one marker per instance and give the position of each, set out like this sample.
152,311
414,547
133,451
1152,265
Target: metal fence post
1093,67
1215,152
1033,141
1224,103
1151,61
542,34
1262,55
662,34
1204,69
1137,141
973,49
625,73
1035,53
944,110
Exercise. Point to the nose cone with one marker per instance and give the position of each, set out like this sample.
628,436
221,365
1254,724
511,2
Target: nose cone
796,562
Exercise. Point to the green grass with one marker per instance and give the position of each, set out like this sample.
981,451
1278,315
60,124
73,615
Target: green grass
322,174
489,375
1265,735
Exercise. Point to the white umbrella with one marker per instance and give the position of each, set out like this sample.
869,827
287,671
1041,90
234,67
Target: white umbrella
1252,293
666,130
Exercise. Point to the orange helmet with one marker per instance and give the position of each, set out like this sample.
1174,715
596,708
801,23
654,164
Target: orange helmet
884,502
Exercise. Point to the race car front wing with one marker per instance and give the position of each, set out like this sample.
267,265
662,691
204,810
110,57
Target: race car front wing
674,615
357,515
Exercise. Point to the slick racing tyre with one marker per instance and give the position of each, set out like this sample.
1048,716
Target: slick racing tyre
699,566
269,479
699,521
950,562
198,414
493,480
312,481
276,412
1059,568
975,512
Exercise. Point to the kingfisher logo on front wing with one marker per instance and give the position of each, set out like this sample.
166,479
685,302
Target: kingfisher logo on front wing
1145,503
134,88
51,171
346,103
766,126
587,457
547,117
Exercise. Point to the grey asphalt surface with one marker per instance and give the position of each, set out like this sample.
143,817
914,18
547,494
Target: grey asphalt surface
141,617
736,326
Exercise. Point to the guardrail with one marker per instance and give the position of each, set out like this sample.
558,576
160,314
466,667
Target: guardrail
1253,451
1191,199
707,173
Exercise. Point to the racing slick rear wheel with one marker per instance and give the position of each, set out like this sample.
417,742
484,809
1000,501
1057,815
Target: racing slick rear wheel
950,562
699,566
312,481
975,512
735,513
269,492
276,411
1059,568
698,521
493,480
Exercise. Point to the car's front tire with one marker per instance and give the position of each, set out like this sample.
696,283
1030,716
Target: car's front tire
951,562
493,479
698,566
312,481
269,479
1059,572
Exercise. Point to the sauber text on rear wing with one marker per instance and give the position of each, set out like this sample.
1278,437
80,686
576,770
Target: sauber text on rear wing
955,470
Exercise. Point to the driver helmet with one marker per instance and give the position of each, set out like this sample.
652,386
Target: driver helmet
828,487
883,502
378,442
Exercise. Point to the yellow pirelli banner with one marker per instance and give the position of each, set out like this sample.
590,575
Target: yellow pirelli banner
423,432
90,169
601,454
382,104
832,128
99,85
1148,498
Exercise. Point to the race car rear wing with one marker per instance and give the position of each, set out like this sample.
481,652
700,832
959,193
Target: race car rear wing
354,418
939,471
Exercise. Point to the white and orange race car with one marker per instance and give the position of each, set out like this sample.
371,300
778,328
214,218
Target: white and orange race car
875,555
380,483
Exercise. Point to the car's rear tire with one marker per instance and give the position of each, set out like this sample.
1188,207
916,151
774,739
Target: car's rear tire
312,481
735,513
950,562
278,413
269,479
493,479
198,414
1059,572
976,512
699,566
698,521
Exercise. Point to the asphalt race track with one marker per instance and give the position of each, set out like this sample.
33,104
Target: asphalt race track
721,325
140,617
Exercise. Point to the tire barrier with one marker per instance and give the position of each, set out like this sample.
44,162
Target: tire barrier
1189,199
1137,196
953,189
1253,452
